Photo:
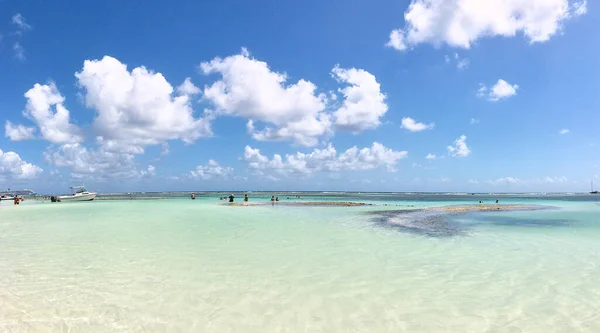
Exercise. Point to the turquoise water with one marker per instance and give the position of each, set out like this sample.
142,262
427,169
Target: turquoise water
203,266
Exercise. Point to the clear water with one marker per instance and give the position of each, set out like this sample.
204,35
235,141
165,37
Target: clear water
202,266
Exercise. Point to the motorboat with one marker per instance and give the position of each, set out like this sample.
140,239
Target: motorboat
79,194
7,197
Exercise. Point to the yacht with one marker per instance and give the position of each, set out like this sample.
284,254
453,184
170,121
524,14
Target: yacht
594,192
79,194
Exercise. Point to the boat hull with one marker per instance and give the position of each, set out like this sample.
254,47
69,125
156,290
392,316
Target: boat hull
73,198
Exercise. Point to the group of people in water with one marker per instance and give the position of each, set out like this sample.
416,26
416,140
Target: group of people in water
231,197
482,201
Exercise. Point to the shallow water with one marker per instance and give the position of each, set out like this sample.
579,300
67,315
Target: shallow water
201,266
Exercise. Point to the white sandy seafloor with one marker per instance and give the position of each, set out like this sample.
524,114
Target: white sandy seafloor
199,266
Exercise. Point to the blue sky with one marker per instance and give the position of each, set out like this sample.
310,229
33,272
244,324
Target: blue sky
504,95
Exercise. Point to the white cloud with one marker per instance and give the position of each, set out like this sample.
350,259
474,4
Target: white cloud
13,167
149,172
188,88
461,63
430,156
474,121
21,23
87,163
326,160
460,148
18,132
45,108
505,180
417,165
473,181
564,131
445,179
500,90
580,8
19,51
137,108
460,23
414,126
165,149
332,96
553,180
249,89
364,103
397,40
528,182
211,170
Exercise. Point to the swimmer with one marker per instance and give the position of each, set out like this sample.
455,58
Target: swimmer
231,197
246,197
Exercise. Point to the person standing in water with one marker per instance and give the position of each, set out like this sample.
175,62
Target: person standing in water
193,196
245,197
231,197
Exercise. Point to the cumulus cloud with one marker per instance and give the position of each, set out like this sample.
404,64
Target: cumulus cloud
460,23
397,40
474,121
430,156
278,110
13,167
211,170
45,108
149,172
249,89
97,164
564,131
412,125
325,160
364,103
460,149
500,90
18,132
188,88
138,108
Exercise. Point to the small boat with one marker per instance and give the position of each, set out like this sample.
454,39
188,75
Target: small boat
79,194
7,197
594,192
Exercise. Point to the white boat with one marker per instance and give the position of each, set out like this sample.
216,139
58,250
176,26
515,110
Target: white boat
7,198
79,194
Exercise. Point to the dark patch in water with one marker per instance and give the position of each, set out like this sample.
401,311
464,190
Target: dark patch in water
437,223
419,222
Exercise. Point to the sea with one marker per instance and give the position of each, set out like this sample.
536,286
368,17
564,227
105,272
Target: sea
401,262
